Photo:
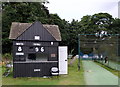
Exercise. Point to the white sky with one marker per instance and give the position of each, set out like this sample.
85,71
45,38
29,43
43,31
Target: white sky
76,9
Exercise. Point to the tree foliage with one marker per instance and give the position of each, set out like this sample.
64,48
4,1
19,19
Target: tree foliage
92,24
115,27
20,12
101,22
96,23
29,12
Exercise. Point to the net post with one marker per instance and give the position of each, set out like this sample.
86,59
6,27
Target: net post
78,52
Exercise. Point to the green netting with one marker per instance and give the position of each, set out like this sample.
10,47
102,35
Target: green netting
104,48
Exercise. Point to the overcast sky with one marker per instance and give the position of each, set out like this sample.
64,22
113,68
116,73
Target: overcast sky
76,9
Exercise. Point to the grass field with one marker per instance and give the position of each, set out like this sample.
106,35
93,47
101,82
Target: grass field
74,77
115,72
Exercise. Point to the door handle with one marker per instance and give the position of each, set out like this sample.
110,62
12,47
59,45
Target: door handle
65,60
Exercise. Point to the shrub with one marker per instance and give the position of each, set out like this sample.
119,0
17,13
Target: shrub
7,56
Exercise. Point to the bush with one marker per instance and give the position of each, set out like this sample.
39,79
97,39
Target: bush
7,56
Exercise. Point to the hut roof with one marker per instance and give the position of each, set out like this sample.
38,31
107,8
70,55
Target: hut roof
18,28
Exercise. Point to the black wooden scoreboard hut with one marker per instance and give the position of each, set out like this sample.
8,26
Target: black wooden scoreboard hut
35,48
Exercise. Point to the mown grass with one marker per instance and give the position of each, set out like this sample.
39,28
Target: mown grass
74,77
115,72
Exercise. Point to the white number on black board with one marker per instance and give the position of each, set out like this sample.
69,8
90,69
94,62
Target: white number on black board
42,49
36,49
19,48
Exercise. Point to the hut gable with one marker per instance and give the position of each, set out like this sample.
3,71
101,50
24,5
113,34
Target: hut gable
35,31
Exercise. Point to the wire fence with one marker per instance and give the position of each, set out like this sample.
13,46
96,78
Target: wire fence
103,48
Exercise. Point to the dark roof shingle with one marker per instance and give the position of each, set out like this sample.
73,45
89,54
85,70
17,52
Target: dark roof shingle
54,31
18,28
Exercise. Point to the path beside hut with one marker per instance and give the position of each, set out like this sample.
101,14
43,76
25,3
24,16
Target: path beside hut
97,75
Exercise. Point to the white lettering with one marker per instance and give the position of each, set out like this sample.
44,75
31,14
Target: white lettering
36,44
42,49
19,43
36,49
36,70
19,48
19,53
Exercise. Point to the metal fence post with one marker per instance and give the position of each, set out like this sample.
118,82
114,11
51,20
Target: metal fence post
78,52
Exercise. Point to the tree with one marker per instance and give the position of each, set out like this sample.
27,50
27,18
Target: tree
85,24
20,12
101,22
74,30
28,12
115,27
96,23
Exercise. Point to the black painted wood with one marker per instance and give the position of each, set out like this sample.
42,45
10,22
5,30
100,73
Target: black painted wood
27,69
36,29
24,68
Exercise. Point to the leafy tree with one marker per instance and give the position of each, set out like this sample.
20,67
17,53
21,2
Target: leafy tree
85,24
27,12
74,30
20,12
96,23
115,27
89,25
101,22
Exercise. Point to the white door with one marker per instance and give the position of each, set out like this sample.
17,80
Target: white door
63,64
